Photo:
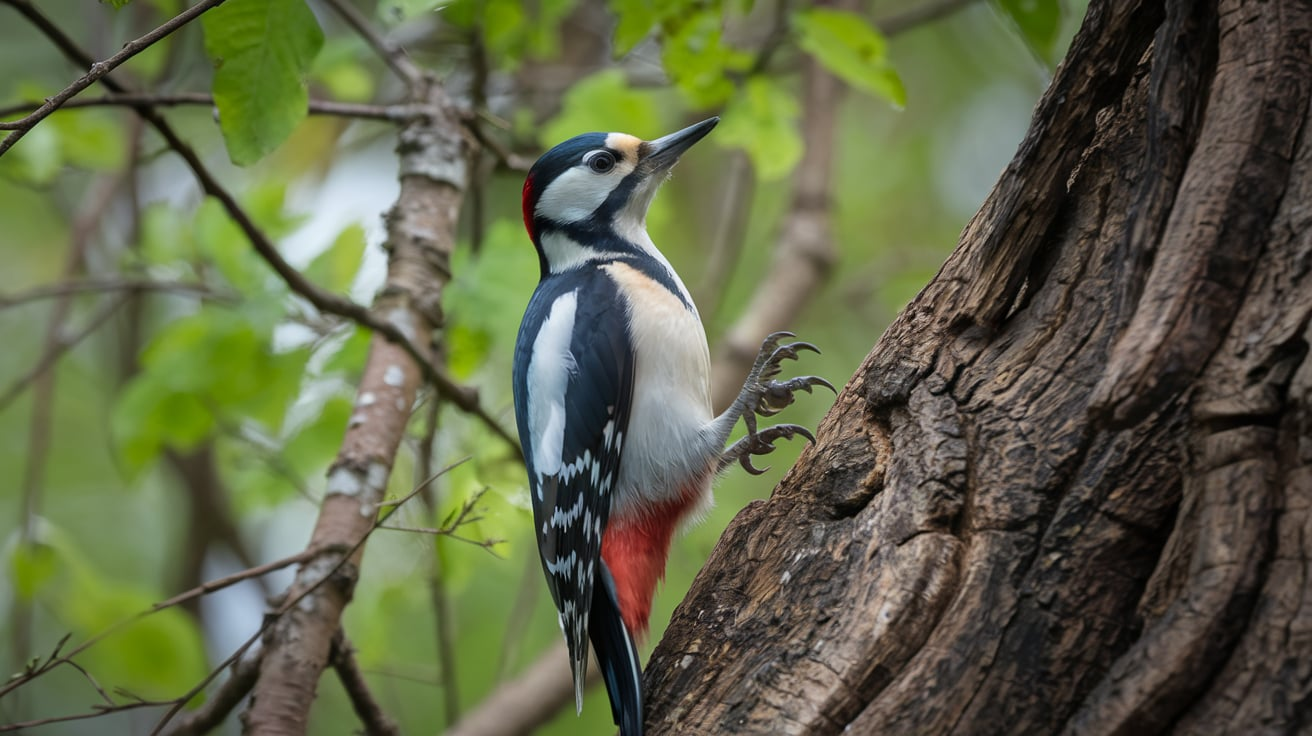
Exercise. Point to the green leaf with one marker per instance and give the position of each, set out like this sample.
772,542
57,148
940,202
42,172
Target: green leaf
1037,21
261,51
762,120
852,49
147,418
699,62
603,101
634,20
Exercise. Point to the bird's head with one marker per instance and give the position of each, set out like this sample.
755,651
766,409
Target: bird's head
601,183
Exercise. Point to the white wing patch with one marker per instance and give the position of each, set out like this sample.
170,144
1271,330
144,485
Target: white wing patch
548,377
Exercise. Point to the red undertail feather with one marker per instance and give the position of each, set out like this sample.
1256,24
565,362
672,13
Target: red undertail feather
635,550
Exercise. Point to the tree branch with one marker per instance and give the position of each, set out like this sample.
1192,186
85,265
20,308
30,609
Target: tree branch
464,397
389,113
91,286
241,678
98,69
376,722
421,236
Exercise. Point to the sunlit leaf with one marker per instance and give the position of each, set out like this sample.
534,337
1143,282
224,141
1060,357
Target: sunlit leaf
847,45
262,51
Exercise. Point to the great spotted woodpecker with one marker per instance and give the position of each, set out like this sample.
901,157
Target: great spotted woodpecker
612,398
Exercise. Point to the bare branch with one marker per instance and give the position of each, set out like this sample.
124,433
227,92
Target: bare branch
241,678
464,397
289,603
376,722
421,236
98,69
437,593
90,286
389,113
228,580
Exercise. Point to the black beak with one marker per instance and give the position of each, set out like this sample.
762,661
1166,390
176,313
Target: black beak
662,153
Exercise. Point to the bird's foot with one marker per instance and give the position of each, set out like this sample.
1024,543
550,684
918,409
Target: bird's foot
765,396
760,443
762,395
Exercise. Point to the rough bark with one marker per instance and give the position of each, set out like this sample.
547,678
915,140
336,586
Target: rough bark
421,237
1069,489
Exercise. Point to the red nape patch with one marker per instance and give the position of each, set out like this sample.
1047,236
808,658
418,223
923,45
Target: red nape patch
528,206
635,551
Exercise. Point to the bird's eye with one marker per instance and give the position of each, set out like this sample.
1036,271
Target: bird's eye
599,162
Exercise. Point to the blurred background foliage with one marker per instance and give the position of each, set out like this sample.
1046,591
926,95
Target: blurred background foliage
186,434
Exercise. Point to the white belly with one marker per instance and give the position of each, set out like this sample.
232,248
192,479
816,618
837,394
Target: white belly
665,449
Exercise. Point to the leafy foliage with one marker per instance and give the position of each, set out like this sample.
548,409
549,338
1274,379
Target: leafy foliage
262,51
852,49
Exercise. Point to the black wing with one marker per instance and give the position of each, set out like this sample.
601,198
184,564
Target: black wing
571,492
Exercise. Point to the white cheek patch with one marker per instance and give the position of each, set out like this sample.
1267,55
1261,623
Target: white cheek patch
548,378
577,193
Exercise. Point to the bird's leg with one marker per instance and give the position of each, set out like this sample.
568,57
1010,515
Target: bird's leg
764,396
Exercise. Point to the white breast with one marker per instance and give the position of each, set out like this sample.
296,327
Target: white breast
665,448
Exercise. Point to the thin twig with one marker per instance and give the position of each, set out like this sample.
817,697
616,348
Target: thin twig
375,721
218,584
446,654
291,602
87,286
391,54
57,659
465,398
389,113
98,69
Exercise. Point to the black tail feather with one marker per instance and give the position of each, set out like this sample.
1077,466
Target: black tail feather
617,656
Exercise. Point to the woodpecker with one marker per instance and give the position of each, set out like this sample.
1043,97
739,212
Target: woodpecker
612,398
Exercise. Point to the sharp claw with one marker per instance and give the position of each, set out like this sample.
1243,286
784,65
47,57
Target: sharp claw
804,346
746,462
805,433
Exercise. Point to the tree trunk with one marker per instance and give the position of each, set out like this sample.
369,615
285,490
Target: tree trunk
1070,489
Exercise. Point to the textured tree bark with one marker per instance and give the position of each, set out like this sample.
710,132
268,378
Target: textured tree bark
1069,491
421,236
